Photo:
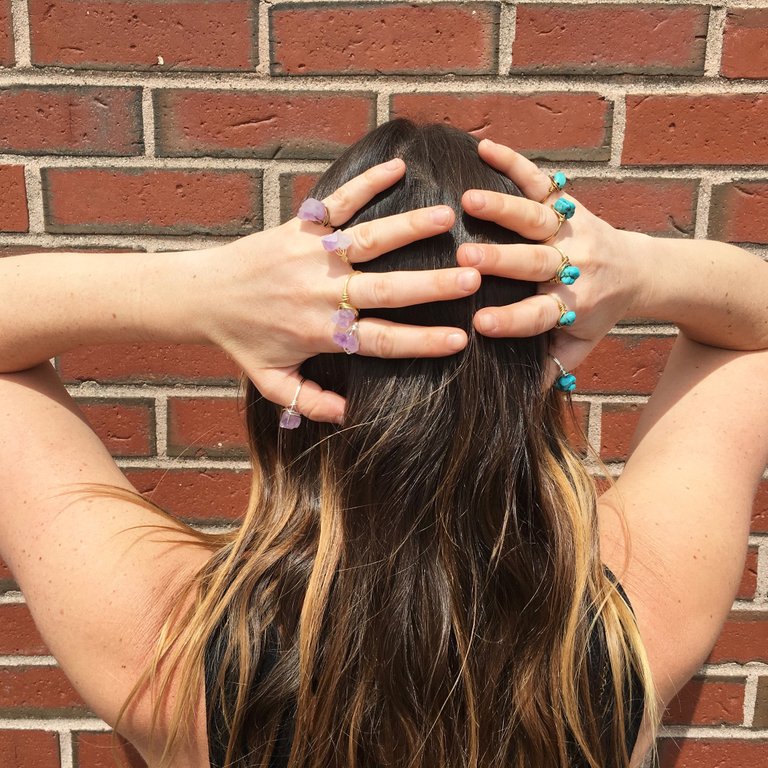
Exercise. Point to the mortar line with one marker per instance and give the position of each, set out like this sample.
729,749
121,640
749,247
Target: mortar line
703,202
714,50
506,38
161,425
22,45
148,121
750,699
262,38
33,181
270,192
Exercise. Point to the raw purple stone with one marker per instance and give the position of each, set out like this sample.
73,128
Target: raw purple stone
352,345
312,210
340,338
290,419
336,240
343,318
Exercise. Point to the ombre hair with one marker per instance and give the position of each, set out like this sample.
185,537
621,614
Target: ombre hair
430,570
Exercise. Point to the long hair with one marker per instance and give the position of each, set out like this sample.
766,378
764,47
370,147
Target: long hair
428,572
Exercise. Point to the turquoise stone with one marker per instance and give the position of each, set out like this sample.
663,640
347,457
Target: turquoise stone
565,207
567,318
566,383
570,275
560,179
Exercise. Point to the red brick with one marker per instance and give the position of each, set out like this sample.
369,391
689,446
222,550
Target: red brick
708,701
749,577
150,362
71,121
739,211
18,633
664,207
384,38
265,124
196,494
760,719
638,39
745,43
14,214
713,129
32,691
112,34
552,126
29,749
682,752
744,638
618,425
100,750
127,427
211,426
7,57
625,364
149,201
294,189
576,425
760,509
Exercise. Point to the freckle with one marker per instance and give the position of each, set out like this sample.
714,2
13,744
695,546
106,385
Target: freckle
114,315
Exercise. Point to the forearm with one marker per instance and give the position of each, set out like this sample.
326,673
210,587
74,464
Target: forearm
717,294
54,302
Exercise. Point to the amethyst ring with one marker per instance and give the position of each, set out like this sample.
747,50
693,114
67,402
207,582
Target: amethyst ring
337,242
345,319
315,211
290,418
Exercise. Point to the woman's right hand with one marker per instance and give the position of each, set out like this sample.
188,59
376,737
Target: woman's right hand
600,297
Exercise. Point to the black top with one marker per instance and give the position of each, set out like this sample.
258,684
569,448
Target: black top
218,737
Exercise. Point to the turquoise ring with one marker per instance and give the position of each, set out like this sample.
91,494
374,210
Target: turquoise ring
567,316
566,273
565,382
557,181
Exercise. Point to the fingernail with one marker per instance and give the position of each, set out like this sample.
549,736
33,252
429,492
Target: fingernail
487,322
473,255
477,198
456,341
492,143
394,165
441,215
467,279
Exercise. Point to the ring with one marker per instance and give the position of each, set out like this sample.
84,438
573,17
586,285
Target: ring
564,209
565,382
345,318
290,418
337,242
316,211
557,181
566,273
567,316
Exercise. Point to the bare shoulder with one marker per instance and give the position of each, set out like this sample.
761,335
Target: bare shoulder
686,494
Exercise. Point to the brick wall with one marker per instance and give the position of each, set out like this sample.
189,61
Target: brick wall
170,125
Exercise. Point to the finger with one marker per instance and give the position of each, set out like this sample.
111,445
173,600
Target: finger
533,182
384,338
313,402
350,197
373,238
401,289
535,263
570,351
528,218
529,317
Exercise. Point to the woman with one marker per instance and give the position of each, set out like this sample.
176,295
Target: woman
425,574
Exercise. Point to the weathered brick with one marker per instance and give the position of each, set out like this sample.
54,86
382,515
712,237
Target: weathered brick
576,425
14,213
7,57
211,426
551,126
143,34
19,635
384,38
760,509
662,207
760,719
148,362
203,495
104,750
127,428
744,638
708,701
682,752
745,43
29,749
148,201
739,211
7,581
294,189
73,121
634,39
711,129
624,364
618,425
264,124
748,583
33,691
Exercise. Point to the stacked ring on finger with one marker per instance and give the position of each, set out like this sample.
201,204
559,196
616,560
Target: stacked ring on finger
290,418
566,273
345,319
565,382
337,242
564,209
557,181
314,210
567,316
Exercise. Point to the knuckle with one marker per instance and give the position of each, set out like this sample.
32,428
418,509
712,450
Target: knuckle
340,200
539,216
541,258
542,319
382,291
384,343
365,234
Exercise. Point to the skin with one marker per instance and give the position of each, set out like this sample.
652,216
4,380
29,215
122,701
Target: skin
98,589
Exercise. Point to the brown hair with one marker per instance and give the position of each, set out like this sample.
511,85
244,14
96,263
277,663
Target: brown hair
430,568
